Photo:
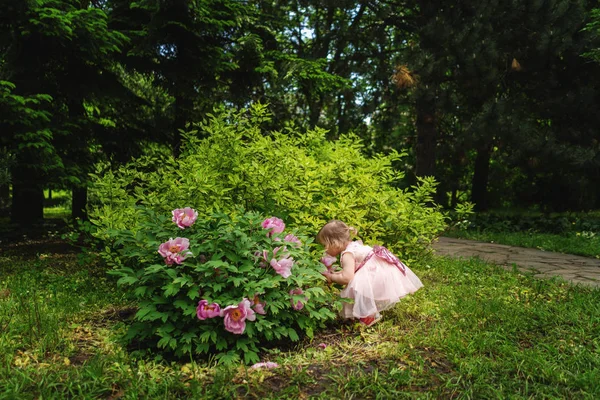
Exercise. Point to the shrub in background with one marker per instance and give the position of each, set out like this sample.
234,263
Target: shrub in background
222,284
228,160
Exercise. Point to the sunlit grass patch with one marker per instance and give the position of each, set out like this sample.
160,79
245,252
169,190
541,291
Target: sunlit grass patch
58,212
57,204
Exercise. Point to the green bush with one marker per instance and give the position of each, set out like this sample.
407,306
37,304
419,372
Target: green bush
228,161
229,260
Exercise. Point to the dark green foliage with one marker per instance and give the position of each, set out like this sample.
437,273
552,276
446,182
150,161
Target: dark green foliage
61,50
504,64
558,224
189,48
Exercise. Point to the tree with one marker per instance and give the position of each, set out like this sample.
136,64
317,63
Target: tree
186,46
24,118
470,65
61,49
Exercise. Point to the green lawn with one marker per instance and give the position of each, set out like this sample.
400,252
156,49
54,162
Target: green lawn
59,205
473,331
580,243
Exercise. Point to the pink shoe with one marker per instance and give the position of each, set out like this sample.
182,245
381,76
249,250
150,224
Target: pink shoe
370,320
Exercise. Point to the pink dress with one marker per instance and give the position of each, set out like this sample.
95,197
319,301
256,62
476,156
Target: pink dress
380,281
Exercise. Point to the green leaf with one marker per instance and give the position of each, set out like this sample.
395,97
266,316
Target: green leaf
221,344
193,292
153,269
237,281
205,336
171,289
144,311
164,341
293,335
127,280
250,357
172,273
140,291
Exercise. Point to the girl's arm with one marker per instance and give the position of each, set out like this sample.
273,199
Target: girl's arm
346,274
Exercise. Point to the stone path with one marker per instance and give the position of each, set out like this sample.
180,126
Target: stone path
544,264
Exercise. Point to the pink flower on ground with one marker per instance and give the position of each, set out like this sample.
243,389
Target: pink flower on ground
322,346
292,239
275,225
259,307
234,317
184,217
175,250
267,365
298,305
206,310
283,267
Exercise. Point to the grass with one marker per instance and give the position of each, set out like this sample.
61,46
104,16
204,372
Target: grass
59,206
473,331
580,243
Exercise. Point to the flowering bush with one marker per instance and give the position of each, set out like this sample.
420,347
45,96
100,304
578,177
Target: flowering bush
232,284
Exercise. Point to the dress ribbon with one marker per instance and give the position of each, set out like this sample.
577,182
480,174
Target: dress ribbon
385,255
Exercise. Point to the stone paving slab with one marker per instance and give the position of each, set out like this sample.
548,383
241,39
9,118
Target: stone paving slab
575,269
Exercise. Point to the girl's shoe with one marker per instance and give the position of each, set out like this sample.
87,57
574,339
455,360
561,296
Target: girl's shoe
370,320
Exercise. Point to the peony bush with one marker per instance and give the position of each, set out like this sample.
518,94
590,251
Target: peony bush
229,284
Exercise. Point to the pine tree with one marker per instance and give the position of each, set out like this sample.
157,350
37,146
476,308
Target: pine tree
63,51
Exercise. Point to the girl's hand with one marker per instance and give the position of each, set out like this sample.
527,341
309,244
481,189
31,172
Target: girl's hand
327,275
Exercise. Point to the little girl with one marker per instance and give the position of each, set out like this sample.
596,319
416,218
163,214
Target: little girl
375,278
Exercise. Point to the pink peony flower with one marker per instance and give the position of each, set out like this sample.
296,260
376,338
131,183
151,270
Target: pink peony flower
175,250
328,260
262,258
259,307
267,365
283,267
292,239
275,225
184,217
206,310
234,317
284,253
298,305
246,305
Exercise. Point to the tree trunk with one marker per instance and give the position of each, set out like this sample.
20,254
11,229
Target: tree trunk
480,177
79,203
454,198
27,196
4,195
183,114
426,136
315,106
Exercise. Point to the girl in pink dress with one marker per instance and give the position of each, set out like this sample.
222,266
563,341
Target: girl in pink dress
375,279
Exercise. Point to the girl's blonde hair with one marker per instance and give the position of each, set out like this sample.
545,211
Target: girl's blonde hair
335,234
